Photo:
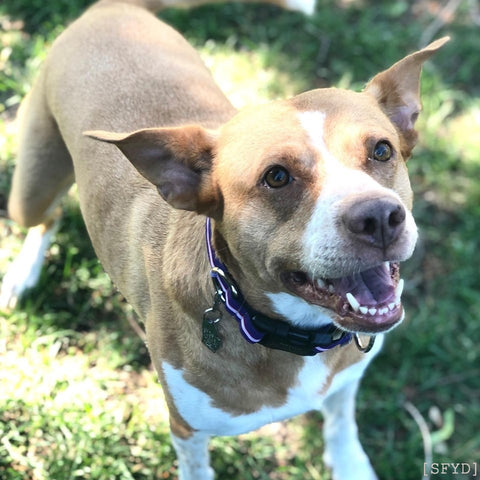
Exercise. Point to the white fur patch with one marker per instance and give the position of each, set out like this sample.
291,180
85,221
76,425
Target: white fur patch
25,270
298,311
321,235
197,409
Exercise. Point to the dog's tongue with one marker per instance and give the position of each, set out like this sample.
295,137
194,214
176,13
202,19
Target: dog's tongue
371,287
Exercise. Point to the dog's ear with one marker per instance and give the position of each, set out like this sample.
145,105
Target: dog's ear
397,90
177,160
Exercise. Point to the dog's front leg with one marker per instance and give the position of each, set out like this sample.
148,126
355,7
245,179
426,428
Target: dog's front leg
343,451
193,457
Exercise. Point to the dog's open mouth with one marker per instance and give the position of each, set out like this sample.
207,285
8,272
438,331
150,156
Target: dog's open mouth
368,301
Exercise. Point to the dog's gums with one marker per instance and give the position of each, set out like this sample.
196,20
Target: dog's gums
368,301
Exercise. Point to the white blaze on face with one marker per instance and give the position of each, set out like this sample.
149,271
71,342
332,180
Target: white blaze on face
327,251
324,254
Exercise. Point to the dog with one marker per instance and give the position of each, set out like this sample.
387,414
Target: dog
261,248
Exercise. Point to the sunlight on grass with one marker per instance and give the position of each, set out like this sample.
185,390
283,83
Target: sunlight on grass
245,77
43,372
464,132
78,398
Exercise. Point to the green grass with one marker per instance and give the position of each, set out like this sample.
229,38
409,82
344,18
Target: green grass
78,397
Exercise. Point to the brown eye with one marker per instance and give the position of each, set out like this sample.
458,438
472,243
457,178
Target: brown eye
382,151
277,177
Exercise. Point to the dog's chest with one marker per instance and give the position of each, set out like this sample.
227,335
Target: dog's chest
313,383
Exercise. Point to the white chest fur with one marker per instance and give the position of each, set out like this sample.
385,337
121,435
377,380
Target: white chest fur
197,409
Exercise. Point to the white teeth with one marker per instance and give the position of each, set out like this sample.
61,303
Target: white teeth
353,302
321,283
387,265
331,289
372,311
399,291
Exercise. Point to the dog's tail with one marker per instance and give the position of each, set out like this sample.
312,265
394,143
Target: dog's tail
305,6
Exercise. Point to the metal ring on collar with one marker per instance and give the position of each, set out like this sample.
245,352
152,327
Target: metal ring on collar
369,346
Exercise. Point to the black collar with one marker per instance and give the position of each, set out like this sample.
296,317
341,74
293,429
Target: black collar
255,326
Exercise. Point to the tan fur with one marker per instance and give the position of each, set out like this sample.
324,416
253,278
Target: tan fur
366,121
118,69
275,137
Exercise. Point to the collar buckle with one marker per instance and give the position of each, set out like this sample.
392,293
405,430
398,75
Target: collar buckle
218,273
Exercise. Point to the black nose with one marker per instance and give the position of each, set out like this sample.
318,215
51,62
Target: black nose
377,221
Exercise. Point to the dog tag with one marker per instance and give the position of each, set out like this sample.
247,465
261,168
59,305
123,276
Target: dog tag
210,336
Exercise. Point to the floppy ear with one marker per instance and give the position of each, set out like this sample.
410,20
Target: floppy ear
397,90
176,160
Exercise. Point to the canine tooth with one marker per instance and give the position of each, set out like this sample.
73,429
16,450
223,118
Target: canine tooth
353,302
391,306
321,283
372,311
364,310
331,289
399,290
383,311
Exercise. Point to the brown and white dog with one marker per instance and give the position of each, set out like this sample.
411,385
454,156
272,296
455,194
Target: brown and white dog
309,205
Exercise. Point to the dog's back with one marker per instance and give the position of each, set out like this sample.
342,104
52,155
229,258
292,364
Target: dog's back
114,83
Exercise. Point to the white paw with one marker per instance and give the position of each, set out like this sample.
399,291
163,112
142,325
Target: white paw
355,465
24,272
20,277
187,473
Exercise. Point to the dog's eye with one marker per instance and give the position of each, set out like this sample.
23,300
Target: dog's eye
382,151
277,177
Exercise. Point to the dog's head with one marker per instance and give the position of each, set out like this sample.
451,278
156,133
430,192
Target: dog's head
310,196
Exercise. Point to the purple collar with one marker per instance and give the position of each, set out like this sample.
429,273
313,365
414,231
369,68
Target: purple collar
256,327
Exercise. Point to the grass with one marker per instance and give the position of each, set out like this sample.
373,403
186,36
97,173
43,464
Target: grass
78,398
